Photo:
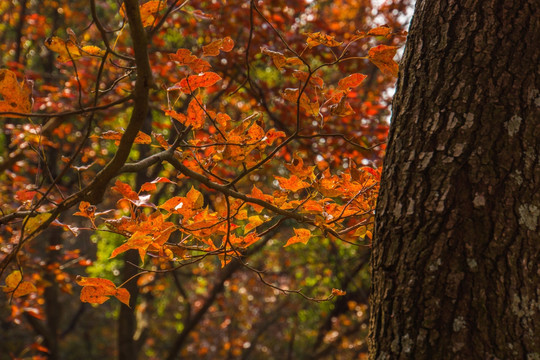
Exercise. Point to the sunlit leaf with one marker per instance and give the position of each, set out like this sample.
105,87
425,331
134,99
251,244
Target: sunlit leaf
337,292
33,223
98,290
298,169
293,183
195,114
86,210
69,50
125,190
15,285
148,11
193,82
319,38
184,57
195,198
226,44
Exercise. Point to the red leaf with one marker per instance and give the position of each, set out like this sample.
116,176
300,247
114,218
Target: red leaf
24,195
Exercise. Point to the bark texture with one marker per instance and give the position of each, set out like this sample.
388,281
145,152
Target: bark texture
456,253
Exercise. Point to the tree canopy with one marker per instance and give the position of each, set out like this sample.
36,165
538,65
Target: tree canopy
204,174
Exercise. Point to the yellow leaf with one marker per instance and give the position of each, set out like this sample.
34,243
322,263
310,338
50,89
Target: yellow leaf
92,50
15,284
254,221
34,223
69,50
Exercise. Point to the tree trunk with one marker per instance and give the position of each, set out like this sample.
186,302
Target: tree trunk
456,252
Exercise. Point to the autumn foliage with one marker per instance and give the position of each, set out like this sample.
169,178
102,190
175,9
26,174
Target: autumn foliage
220,155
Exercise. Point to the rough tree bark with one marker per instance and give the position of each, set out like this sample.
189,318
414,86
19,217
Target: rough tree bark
456,252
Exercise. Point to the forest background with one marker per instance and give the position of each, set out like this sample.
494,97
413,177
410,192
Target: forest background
211,166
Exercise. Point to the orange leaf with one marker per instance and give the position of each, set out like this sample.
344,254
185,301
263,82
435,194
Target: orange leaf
151,186
226,44
272,135
351,81
294,61
311,107
193,82
314,79
258,194
223,120
302,236
139,241
161,140
184,57
337,292
383,30
148,11
297,168
195,114
293,184
181,118
126,190
319,38
343,108
382,56
86,210
16,96
141,137
278,58
97,290
255,132
173,203
244,242
195,198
